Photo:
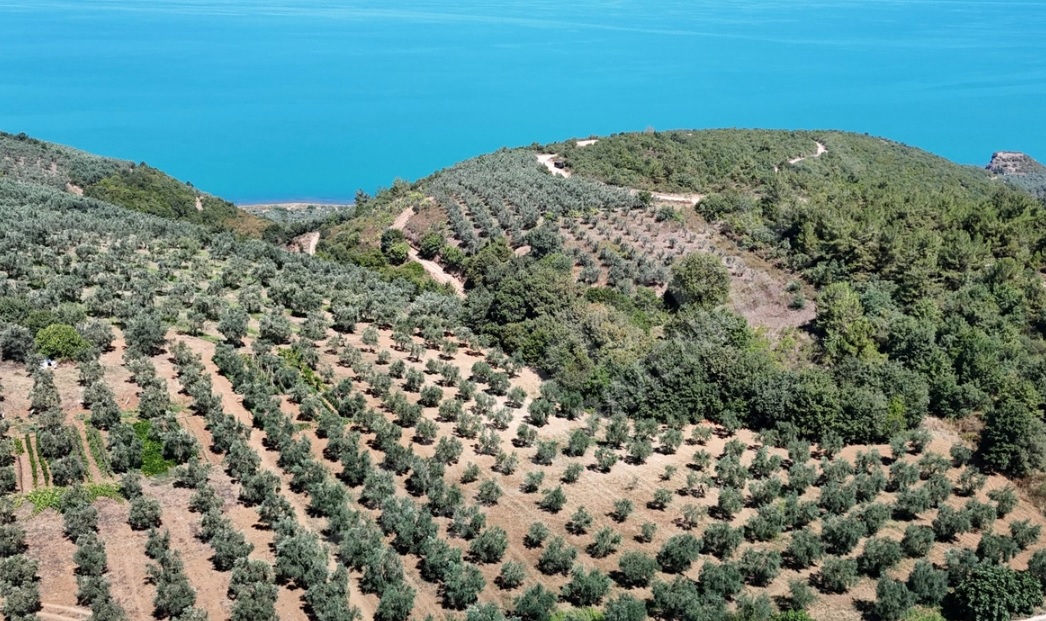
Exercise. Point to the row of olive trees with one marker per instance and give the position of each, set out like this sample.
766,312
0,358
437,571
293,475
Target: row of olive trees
300,555
80,520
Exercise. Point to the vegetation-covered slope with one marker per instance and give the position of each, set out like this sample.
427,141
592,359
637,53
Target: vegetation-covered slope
137,187
340,442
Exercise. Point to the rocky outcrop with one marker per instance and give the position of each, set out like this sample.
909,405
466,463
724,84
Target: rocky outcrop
1013,163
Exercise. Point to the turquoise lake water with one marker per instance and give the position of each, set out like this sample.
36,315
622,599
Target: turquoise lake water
279,100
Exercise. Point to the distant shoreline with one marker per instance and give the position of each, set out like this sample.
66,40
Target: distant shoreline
294,204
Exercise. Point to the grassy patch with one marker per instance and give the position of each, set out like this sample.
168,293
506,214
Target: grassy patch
45,472
19,446
153,463
294,359
578,614
82,453
32,460
96,443
45,498
51,497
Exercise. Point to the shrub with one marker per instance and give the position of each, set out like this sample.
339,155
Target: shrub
678,553
878,555
892,599
604,543
721,580
662,498
536,535
579,522
624,608
841,534
462,586
489,492
636,569
144,513
646,532
532,481
927,584
699,279
511,575
585,588
61,342
721,540
950,523
804,549
1005,500
837,575
572,472
553,499
995,593
535,604
489,546
622,509
917,541
760,567
1024,533
557,558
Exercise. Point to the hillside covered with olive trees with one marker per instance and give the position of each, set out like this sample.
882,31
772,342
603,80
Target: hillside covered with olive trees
728,374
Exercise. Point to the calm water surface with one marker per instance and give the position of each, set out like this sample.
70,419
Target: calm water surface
277,100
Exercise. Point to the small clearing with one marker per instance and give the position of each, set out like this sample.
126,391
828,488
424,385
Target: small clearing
585,143
821,150
548,161
691,199
199,203
305,243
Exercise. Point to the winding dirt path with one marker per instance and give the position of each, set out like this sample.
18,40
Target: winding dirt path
690,199
821,150
431,267
305,243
